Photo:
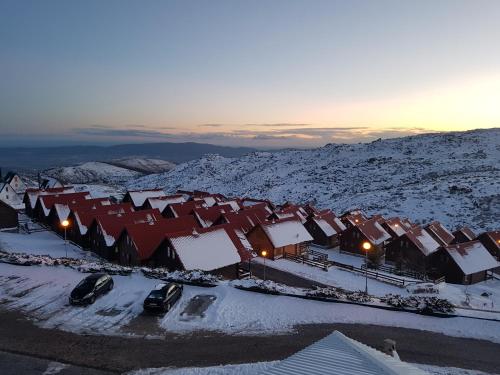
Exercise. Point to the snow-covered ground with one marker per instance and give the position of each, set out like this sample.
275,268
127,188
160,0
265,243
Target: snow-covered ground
101,191
450,177
92,172
261,367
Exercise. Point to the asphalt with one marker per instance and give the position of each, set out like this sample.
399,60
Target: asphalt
19,335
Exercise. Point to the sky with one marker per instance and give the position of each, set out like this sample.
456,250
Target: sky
254,73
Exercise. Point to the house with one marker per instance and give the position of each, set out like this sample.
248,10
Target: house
174,210
106,229
206,249
438,231
161,202
8,217
251,202
325,228
31,196
138,242
395,227
45,203
138,197
412,250
353,238
246,219
464,263
207,216
491,241
289,211
464,234
61,211
353,218
9,196
15,182
280,237
81,217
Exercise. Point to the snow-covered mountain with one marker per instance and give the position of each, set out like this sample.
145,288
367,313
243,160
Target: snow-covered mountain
92,172
144,165
451,177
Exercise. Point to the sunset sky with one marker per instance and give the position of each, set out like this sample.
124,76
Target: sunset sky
254,73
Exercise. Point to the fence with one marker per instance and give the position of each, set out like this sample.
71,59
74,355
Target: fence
372,274
305,260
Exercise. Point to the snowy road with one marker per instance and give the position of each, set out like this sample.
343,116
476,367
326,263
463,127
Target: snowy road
118,353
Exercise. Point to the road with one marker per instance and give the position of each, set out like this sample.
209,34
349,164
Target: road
282,277
117,354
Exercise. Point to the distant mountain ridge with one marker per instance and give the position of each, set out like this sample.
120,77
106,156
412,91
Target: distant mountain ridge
451,177
26,158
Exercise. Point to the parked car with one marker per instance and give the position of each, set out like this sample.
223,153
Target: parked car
87,290
163,297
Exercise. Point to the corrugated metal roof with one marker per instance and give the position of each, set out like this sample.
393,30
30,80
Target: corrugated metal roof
337,354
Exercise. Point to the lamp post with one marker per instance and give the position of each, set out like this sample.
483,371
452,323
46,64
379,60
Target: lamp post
264,255
65,224
366,246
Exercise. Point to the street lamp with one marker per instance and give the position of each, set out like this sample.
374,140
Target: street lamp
366,246
264,255
65,224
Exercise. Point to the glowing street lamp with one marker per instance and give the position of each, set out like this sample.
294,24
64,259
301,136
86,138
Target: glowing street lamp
65,225
263,253
367,247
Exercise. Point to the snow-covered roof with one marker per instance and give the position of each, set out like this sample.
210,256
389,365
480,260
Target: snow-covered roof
373,231
471,257
62,211
440,233
205,251
327,229
285,233
423,240
138,197
467,232
337,354
397,226
162,202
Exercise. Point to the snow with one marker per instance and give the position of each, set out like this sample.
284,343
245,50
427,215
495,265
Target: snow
40,243
287,233
206,251
429,244
262,367
139,197
472,257
62,211
449,177
325,227
160,203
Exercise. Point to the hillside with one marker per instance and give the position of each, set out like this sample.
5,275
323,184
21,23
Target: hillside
145,166
451,177
92,172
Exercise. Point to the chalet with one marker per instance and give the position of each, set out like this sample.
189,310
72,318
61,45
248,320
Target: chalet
353,238
9,196
442,235
105,230
8,216
325,228
251,202
353,218
290,209
138,197
81,217
61,211
31,196
235,205
210,250
464,234
412,250
244,220
45,203
207,216
491,241
138,243
15,182
395,227
161,202
174,210
280,237
464,263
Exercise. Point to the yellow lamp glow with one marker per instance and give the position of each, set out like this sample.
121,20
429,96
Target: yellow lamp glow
367,245
65,223
263,253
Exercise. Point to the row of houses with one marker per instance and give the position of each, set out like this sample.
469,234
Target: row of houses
201,230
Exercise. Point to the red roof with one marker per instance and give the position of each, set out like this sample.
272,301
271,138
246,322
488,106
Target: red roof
332,220
440,233
87,214
467,232
354,217
185,208
373,231
113,225
209,215
246,219
48,201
